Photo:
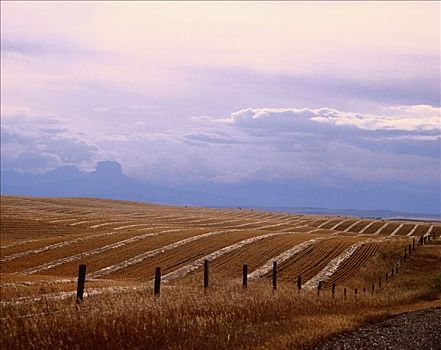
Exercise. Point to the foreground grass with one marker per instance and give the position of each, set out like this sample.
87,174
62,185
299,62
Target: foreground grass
224,317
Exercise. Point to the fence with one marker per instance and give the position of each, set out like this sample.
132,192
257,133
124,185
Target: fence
157,280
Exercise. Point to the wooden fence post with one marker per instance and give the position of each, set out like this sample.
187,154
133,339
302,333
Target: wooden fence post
245,276
299,283
373,288
157,286
379,282
410,249
364,290
386,277
274,275
344,293
413,243
319,287
81,281
355,292
333,290
205,274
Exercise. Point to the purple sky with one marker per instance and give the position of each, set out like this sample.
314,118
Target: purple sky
181,93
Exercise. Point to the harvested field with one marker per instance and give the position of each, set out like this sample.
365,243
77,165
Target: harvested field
43,241
405,229
421,230
97,259
309,262
350,267
254,255
106,233
13,227
345,224
359,226
331,223
372,228
177,257
382,229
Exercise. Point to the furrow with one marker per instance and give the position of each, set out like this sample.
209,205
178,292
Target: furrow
39,282
62,220
381,229
185,270
254,255
143,256
14,244
324,223
53,246
351,226
349,268
413,230
54,263
130,226
326,273
394,232
264,269
367,226
82,222
338,224
104,224
429,231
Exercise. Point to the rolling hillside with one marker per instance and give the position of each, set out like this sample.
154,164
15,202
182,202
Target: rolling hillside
125,241
44,240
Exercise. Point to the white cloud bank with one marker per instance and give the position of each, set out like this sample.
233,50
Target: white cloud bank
418,118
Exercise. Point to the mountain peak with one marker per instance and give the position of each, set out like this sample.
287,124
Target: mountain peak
67,171
109,168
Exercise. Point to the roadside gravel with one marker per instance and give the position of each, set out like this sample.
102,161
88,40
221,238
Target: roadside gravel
408,331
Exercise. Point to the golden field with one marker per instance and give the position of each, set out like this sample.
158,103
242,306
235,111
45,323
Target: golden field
43,241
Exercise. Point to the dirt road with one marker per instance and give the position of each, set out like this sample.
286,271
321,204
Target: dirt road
409,331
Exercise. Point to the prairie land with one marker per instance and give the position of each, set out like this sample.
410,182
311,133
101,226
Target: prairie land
44,240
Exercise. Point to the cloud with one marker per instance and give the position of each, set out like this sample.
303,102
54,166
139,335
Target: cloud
202,137
39,145
35,49
411,130
323,145
419,118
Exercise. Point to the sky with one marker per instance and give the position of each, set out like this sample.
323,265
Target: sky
337,94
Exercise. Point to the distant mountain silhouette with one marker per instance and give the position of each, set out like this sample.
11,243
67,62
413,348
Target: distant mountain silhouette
109,168
372,214
109,181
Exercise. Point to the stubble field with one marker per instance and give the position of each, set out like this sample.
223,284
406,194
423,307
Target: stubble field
44,240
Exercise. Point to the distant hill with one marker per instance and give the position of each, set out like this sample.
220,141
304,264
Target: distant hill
300,196
383,214
107,181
